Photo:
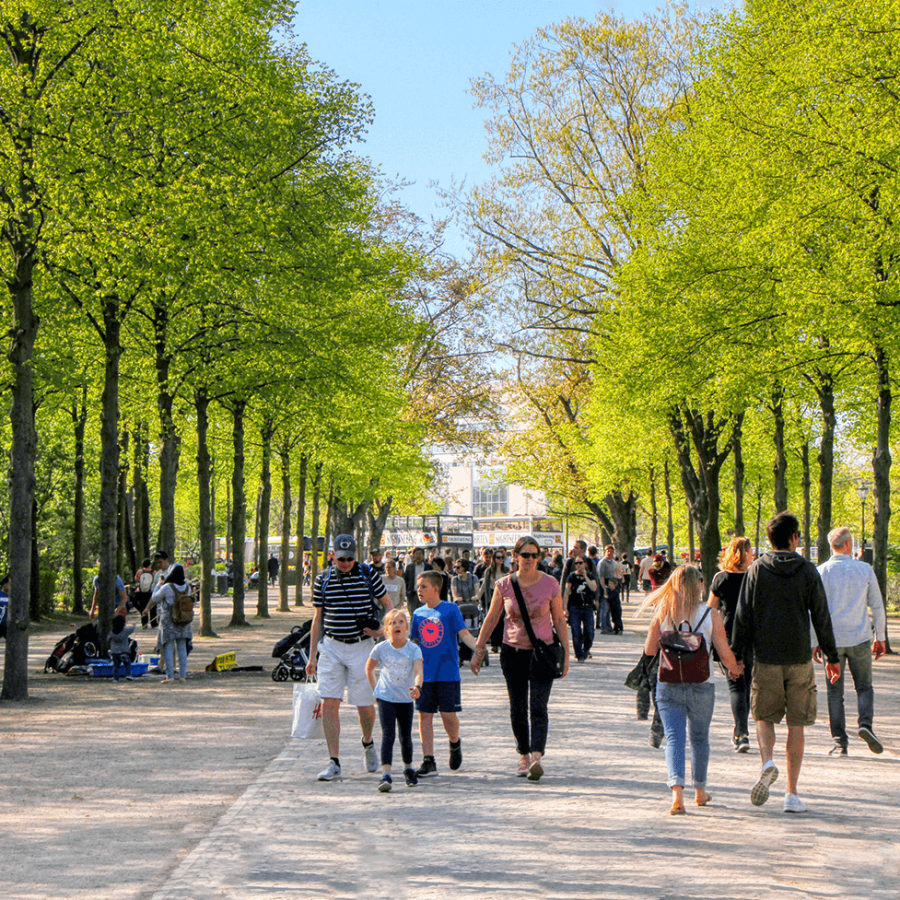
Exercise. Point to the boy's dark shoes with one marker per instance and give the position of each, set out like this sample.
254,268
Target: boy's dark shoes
410,775
455,755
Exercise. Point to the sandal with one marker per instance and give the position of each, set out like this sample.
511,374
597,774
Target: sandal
678,810
705,801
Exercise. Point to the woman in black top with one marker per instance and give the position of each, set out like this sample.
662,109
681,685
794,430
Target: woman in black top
734,561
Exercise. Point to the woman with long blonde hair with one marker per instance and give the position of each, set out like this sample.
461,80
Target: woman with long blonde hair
687,704
724,591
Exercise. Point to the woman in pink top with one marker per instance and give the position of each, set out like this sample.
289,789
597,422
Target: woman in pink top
545,610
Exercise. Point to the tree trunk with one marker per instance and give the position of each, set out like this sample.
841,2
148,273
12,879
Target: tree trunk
265,500
738,448
692,550
125,547
347,516
256,527
34,589
79,418
239,513
824,386
314,525
141,491
169,442
329,518
285,455
622,513
654,512
207,522
881,469
758,519
807,502
140,543
229,543
301,530
377,522
20,235
670,509
701,482
780,467
109,468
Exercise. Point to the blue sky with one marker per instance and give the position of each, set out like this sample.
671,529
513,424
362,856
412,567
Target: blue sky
415,59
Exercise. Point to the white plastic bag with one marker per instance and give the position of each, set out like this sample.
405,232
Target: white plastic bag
307,712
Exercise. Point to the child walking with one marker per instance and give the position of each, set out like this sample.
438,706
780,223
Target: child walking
436,626
120,647
400,683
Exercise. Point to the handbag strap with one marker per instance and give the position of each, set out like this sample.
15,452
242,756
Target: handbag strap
514,580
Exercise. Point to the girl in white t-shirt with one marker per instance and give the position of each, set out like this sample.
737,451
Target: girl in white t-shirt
687,704
398,685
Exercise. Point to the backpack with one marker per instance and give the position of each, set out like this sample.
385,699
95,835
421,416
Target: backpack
182,607
145,582
683,655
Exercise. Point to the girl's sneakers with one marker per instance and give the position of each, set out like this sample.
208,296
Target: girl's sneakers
386,783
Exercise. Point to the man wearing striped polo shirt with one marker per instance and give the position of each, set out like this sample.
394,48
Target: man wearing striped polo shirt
344,599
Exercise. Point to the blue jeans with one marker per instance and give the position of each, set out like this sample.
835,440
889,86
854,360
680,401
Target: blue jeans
859,659
582,622
169,656
604,623
682,706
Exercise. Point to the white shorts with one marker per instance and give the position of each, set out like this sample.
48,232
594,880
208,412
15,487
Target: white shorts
343,666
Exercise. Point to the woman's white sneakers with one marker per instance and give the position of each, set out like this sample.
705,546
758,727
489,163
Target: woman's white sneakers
793,804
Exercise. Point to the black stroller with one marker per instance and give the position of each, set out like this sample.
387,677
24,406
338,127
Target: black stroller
473,617
292,651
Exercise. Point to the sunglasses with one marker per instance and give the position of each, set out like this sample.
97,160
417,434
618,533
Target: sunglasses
346,559
524,555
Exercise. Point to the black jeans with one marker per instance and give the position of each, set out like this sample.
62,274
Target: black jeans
392,715
528,698
739,692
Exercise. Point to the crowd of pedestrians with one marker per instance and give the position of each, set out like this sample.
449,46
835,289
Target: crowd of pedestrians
765,622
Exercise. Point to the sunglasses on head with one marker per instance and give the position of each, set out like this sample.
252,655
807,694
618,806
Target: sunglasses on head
525,555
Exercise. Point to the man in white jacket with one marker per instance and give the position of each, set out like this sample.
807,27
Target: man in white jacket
852,590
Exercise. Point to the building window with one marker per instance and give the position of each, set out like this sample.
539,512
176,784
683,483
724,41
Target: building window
490,495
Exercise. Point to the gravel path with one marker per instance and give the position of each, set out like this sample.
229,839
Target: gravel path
146,791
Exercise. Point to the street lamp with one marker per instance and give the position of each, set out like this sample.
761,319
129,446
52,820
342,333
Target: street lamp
862,491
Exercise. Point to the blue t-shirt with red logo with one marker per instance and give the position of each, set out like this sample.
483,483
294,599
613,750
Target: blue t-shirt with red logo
436,630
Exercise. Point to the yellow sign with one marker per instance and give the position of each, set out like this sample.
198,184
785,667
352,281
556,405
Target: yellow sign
222,662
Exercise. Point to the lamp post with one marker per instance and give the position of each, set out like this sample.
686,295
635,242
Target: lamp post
862,491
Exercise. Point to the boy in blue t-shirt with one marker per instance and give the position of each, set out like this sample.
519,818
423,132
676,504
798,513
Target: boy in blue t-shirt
436,626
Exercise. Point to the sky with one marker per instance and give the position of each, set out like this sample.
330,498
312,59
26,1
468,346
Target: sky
415,58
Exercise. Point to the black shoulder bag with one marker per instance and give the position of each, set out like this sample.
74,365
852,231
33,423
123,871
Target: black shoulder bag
548,660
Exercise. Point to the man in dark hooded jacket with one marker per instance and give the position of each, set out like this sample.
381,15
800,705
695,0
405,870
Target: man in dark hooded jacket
780,594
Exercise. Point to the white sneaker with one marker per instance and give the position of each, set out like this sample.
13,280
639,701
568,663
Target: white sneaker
759,793
371,760
330,772
793,804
